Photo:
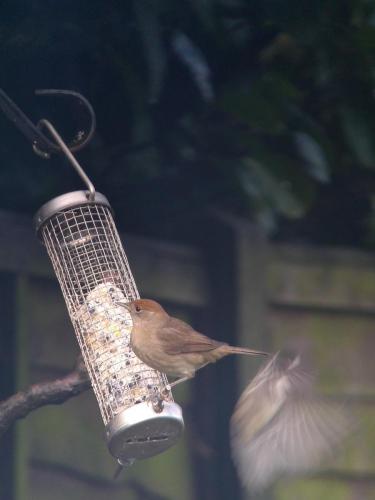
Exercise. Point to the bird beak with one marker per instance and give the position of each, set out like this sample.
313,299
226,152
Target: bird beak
122,304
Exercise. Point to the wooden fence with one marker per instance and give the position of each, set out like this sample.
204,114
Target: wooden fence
234,286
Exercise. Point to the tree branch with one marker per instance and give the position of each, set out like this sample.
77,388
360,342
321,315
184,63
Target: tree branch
44,393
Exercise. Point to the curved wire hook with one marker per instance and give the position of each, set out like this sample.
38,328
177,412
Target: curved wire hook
68,153
81,139
42,145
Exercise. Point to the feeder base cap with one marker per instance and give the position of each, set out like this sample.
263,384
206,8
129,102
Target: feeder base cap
139,432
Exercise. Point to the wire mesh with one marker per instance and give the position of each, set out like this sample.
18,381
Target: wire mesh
94,274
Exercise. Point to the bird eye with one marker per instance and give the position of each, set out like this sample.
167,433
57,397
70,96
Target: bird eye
138,309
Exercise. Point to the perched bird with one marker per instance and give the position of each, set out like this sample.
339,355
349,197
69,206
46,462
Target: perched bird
170,345
280,426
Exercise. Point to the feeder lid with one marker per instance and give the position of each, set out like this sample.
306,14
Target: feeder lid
65,202
139,432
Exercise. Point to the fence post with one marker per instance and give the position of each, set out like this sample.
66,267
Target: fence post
251,260
7,380
12,366
235,258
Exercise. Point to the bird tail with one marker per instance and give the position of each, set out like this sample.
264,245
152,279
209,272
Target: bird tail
244,350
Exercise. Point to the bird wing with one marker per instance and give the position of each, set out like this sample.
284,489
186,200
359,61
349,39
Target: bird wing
280,425
298,439
177,337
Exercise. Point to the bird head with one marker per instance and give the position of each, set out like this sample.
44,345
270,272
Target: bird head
144,310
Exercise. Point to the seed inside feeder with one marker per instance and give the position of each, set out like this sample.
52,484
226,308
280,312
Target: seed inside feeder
106,327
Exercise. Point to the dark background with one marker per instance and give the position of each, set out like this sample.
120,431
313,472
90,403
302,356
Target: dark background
261,108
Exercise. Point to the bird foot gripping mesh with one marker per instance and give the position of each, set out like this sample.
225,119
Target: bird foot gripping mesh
86,253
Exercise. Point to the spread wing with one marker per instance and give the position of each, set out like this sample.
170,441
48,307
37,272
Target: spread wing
302,435
281,426
177,337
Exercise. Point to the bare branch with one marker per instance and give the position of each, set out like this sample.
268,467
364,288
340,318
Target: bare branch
44,393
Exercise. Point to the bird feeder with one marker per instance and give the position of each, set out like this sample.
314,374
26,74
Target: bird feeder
78,230
90,263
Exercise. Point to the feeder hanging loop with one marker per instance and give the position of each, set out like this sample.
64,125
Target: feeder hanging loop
64,148
41,144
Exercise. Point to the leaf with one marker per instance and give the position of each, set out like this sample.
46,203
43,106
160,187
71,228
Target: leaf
263,104
205,12
266,218
313,155
360,134
365,38
262,185
195,61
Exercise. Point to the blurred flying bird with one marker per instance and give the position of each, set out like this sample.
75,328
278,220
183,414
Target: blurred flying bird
280,426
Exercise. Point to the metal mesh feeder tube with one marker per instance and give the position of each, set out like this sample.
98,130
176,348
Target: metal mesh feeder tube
83,244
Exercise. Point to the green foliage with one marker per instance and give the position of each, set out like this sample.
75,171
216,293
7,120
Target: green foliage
251,106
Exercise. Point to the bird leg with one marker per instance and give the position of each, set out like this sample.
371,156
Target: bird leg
176,382
183,379
167,389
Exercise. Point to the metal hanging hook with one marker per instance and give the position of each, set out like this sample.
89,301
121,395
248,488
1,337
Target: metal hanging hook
64,148
42,145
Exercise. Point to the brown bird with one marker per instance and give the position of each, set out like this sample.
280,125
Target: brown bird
170,345
281,426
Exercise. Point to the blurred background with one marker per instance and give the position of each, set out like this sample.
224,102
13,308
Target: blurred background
236,144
